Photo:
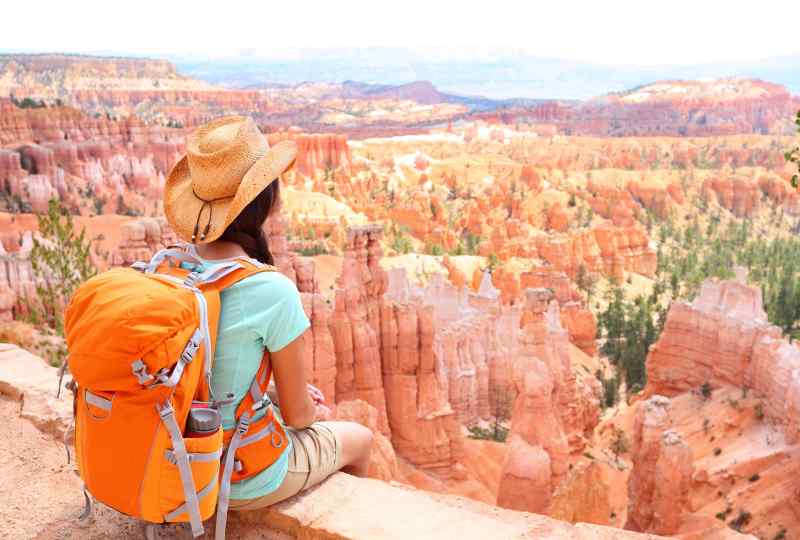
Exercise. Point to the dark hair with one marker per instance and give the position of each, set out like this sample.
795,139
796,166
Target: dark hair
246,229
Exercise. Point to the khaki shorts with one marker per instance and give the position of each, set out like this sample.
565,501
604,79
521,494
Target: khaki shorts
316,454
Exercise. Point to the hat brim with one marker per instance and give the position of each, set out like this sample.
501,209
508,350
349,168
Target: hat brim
182,207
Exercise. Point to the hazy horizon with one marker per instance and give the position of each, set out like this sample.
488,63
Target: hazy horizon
494,76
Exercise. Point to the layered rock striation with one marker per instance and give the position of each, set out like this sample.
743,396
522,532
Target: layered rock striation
658,487
723,337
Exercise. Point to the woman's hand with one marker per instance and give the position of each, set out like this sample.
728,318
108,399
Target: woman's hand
316,394
322,412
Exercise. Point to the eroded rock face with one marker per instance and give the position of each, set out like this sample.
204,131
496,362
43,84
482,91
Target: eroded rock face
738,194
356,325
658,486
723,337
383,461
425,429
141,239
526,481
318,152
583,497
710,340
16,281
92,165
551,415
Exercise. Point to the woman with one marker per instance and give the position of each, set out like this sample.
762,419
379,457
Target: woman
218,197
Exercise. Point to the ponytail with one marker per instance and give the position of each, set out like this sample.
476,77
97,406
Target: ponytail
246,230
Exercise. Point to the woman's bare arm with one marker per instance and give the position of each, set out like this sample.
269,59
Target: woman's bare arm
297,408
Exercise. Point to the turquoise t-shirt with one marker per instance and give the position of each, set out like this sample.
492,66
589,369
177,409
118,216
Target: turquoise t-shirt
261,311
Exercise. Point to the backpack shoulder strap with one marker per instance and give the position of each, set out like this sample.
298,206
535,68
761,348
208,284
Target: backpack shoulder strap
244,269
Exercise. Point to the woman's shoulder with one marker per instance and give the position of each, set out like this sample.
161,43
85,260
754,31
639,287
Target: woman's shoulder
269,283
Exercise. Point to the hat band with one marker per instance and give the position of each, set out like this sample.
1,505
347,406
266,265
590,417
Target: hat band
206,202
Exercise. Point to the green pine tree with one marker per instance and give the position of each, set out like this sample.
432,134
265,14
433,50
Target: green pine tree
60,262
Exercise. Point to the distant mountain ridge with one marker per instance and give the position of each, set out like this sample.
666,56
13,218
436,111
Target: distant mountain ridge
155,90
497,77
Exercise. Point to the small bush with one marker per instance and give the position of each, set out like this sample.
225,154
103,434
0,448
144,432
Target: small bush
780,535
741,520
402,244
498,434
717,451
435,250
312,251
706,390
755,478
572,202
759,409
619,444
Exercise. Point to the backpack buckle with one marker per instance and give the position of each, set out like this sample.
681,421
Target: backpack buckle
139,369
191,279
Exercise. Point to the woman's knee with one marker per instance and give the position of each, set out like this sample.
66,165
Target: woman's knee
356,440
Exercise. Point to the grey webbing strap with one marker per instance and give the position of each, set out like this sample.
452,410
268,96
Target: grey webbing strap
200,495
97,401
217,272
169,455
87,505
268,430
227,473
167,414
208,359
159,257
185,359
255,391
61,372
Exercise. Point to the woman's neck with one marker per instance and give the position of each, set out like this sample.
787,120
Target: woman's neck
220,249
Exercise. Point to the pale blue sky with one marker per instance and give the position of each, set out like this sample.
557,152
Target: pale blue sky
615,32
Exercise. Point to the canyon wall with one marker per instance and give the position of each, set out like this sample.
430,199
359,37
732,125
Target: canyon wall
658,487
723,337
553,414
93,165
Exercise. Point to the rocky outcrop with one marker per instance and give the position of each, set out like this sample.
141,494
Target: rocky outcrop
356,323
551,414
740,195
669,108
583,496
16,281
318,152
780,192
606,249
140,239
543,337
581,324
425,429
92,165
723,338
319,352
658,487
30,381
710,340
383,460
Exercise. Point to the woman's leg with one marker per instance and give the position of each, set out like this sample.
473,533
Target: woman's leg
317,452
356,444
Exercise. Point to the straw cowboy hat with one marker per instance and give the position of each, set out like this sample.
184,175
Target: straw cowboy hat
228,162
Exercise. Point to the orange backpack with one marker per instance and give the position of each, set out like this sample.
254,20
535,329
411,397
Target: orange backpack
141,347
